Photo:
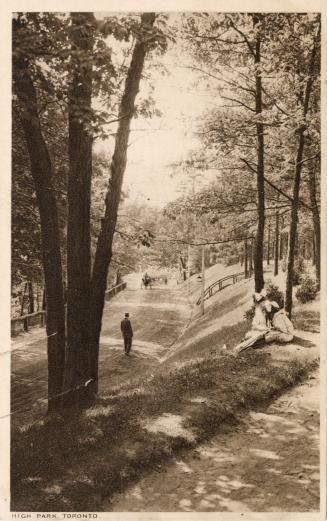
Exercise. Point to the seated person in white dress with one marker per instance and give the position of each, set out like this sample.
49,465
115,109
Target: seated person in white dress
259,325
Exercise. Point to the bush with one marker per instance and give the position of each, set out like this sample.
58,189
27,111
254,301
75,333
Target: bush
249,313
274,293
298,271
307,291
232,259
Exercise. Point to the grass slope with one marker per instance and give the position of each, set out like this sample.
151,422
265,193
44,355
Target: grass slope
73,463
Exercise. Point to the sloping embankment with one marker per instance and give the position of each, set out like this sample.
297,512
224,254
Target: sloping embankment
78,462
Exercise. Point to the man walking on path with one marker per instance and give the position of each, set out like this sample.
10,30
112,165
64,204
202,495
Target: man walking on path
127,332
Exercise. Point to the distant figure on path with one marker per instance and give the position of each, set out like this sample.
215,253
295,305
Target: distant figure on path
146,281
127,332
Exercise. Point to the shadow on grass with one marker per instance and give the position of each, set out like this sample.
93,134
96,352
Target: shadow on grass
73,462
303,342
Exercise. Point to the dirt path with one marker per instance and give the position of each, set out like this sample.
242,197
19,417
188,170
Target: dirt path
268,462
158,317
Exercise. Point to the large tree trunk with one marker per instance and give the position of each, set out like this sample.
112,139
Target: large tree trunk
79,201
316,220
117,168
297,180
41,170
259,242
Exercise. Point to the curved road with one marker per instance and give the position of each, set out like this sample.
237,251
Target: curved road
158,316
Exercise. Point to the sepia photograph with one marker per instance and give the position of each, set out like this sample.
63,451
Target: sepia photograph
166,272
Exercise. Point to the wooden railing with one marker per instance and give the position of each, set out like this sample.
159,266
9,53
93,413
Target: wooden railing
219,284
113,291
25,322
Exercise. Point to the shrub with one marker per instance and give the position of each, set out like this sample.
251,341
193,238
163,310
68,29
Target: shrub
274,293
298,271
232,259
249,313
307,291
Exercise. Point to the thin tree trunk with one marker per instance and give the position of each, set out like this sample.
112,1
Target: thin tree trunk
252,255
297,180
281,239
276,252
23,300
268,246
258,253
296,247
30,298
117,168
316,220
37,298
245,258
79,202
41,170
183,264
314,258
44,300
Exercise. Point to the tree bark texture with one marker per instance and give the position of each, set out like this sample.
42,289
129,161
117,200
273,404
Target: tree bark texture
297,179
117,168
79,202
259,242
42,173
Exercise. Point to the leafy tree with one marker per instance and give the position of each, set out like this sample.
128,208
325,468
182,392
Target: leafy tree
257,133
24,73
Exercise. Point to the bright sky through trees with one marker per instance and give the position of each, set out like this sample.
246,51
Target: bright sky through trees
158,142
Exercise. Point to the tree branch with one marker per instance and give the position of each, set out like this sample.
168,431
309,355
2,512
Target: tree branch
239,102
246,40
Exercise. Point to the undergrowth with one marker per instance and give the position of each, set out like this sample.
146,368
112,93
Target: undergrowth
73,462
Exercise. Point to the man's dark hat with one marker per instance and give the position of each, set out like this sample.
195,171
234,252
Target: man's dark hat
126,314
